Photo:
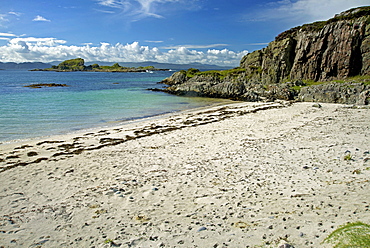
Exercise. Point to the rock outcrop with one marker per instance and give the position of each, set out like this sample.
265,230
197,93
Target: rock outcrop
336,49
348,93
333,49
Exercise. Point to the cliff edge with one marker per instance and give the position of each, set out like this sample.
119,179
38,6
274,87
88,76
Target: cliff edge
327,61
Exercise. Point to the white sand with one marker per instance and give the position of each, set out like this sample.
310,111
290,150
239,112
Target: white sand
241,175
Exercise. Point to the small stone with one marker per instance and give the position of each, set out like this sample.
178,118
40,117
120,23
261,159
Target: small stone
202,229
31,154
286,246
317,105
305,167
155,189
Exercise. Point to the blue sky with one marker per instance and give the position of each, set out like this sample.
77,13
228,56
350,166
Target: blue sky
169,31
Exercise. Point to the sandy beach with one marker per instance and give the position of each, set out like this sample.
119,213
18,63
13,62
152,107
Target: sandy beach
236,175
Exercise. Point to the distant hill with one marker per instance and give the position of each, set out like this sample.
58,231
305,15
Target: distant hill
23,66
78,64
160,65
40,65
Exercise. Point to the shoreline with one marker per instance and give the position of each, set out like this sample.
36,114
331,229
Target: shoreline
131,129
114,123
236,175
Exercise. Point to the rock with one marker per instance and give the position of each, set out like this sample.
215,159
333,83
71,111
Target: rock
46,85
286,246
176,78
345,93
364,98
31,154
335,49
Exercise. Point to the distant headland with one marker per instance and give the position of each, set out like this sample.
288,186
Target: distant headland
326,61
78,64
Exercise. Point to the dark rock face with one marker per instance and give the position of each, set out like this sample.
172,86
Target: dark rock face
236,88
347,93
335,49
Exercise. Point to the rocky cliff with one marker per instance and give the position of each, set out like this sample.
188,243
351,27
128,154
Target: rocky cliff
337,49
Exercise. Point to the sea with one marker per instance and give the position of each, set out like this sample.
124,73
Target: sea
91,100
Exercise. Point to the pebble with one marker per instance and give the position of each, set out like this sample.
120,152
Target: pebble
286,246
202,229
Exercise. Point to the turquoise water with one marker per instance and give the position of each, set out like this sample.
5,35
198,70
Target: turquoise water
93,99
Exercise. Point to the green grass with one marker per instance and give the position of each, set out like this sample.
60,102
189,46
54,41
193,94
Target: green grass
355,234
215,73
307,83
365,79
317,26
348,157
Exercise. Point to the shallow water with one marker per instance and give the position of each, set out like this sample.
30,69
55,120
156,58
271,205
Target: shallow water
92,99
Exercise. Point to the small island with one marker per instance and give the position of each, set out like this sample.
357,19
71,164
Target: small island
79,65
46,85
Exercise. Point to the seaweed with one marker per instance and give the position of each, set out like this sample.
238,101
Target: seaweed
355,234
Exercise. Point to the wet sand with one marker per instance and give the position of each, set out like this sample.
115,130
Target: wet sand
238,175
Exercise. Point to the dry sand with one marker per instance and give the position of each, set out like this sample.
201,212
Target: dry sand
239,175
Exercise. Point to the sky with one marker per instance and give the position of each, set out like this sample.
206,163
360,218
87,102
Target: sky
218,32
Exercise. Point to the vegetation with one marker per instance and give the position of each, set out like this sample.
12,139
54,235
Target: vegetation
365,79
79,65
72,65
350,235
348,157
316,26
214,73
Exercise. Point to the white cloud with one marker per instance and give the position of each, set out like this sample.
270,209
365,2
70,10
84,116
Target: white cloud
7,34
195,46
40,19
9,17
304,11
15,13
3,19
154,41
139,9
50,49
